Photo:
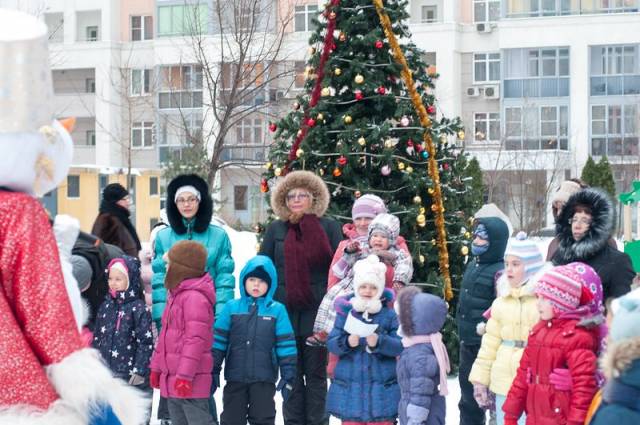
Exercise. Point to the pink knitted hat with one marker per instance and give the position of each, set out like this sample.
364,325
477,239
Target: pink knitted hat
368,206
564,287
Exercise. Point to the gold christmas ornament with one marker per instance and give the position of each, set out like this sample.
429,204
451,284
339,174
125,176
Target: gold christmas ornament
464,250
362,141
312,50
321,171
278,171
359,79
320,117
299,153
409,169
388,143
423,210
421,220
461,134
325,92
337,71
443,139
421,259
348,119
433,242
296,105
268,165
401,166
431,191
417,199
467,235
434,207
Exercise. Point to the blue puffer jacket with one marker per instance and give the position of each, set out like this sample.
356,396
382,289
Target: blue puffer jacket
255,336
365,387
123,328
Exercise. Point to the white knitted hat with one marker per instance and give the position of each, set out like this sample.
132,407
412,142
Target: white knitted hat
369,270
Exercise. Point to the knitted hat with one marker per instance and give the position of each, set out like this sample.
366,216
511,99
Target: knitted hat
626,319
388,224
369,270
82,271
120,265
565,287
114,192
187,189
187,260
368,206
564,192
260,273
527,251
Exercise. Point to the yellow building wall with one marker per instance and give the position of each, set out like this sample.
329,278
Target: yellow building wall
147,205
84,208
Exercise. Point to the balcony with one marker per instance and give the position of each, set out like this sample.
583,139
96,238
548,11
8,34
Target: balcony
83,154
246,154
615,85
545,8
75,105
536,87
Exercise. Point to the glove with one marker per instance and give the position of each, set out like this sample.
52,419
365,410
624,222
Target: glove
481,394
285,389
397,285
136,380
352,247
183,388
154,379
560,378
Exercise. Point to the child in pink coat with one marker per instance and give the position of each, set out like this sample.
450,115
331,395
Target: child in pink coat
181,364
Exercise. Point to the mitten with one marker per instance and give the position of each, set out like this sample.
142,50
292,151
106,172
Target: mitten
154,379
183,388
285,389
560,378
481,395
136,380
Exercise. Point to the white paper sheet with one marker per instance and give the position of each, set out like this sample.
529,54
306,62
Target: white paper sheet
354,326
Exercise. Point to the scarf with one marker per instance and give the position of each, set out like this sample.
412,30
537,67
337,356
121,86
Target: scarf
307,248
439,350
122,214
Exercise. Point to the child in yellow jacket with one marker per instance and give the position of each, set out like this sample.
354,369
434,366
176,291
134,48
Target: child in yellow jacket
513,315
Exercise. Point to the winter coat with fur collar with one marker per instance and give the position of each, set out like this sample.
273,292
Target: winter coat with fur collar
613,267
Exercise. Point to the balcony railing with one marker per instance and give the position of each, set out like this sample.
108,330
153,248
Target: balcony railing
615,146
247,153
615,85
536,87
537,144
544,8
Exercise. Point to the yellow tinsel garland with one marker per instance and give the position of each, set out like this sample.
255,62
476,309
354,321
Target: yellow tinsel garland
432,164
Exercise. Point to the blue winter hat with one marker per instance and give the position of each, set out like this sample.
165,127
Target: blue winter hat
626,319
420,313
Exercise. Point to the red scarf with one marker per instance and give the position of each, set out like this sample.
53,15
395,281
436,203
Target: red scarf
306,248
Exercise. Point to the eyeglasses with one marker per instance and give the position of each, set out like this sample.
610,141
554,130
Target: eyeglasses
585,221
182,201
298,196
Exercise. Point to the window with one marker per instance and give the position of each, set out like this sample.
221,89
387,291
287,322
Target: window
55,27
486,67
91,137
429,58
141,28
249,132
300,75
153,187
182,20
90,85
103,181
486,127
142,134
179,129
537,127
615,70
536,72
614,130
180,87
140,82
304,17
73,186
486,10
92,33
429,14
240,197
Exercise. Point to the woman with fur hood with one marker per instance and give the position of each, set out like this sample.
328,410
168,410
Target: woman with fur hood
583,228
309,240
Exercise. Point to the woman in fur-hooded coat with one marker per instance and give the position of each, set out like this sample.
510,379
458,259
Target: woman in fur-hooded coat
613,267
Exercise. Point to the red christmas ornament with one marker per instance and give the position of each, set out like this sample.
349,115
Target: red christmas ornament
359,95
311,122
409,142
264,186
445,166
273,127
342,161
431,109
379,44
381,90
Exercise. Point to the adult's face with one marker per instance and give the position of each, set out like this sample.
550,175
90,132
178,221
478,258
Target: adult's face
188,205
580,224
299,200
125,202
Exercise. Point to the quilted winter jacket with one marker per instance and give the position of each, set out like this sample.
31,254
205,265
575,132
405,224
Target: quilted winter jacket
478,291
220,265
255,337
552,344
512,318
365,387
184,344
123,328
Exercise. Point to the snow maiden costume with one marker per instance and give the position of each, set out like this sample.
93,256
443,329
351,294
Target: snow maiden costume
46,375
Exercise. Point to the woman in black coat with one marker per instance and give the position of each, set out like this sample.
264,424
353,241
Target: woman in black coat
301,244
583,229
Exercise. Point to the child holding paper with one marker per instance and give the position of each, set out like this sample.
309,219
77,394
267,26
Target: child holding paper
365,388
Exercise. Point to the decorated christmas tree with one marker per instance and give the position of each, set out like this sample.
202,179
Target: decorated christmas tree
368,122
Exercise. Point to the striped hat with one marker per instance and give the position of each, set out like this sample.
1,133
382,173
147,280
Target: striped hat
368,206
527,251
387,224
565,287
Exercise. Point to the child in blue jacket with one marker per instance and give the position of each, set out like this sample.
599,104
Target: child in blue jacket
254,335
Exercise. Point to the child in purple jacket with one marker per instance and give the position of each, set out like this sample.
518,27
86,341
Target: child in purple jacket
181,364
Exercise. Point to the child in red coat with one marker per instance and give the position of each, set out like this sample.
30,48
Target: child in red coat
557,341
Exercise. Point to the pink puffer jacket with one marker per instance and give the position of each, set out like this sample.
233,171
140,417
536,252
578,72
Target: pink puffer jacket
184,345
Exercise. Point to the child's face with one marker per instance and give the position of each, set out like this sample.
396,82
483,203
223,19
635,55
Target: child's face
117,280
514,270
479,241
545,309
255,287
367,291
362,225
379,241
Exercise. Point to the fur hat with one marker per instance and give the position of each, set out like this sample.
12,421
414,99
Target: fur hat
368,206
205,208
300,179
527,251
420,313
114,192
187,260
388,224
566,286
369,270
564,192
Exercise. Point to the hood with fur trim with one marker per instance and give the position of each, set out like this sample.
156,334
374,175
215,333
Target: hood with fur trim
620,356
300,179
420,313
205,208
598,234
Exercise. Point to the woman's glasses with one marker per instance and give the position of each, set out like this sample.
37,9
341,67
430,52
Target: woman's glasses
183,201
297,196
585,221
